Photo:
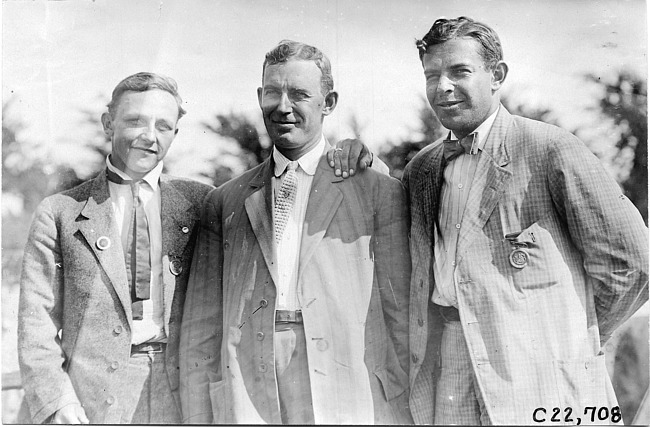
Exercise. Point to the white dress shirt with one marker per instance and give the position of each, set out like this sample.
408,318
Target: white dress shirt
151,327
457,181
288,250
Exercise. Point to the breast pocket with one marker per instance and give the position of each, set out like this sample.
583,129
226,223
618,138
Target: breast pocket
536,258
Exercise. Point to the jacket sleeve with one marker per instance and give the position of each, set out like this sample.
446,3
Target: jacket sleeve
393,264
42,360
606,228
202,325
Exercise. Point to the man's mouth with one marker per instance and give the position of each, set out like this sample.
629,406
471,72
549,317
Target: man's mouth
146,150
448,104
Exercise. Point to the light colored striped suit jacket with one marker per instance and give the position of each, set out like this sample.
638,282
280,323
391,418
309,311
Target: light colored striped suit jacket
534,334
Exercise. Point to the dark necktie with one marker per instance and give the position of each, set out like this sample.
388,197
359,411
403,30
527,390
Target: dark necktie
137,257
454,148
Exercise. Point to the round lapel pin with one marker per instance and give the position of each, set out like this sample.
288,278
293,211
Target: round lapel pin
519,258
103,243
175,267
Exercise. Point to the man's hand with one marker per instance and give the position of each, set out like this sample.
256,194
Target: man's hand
348,154
70,414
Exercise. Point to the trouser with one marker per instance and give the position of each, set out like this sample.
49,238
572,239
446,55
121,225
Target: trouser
147,396
292,373
458,398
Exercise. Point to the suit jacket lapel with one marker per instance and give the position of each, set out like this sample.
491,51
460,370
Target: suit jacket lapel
492,174
178,218
96,223
428,188
258,208
324,200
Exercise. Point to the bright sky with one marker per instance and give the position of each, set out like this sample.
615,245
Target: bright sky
59,57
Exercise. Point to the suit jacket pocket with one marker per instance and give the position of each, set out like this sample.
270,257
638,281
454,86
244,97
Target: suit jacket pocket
584,382
541,253
391,385
217,398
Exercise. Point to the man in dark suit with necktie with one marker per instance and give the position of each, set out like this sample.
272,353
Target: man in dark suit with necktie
105,271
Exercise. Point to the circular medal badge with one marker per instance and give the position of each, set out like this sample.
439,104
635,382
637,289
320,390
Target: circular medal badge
519,258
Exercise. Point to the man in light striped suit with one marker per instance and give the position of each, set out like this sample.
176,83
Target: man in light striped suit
526,256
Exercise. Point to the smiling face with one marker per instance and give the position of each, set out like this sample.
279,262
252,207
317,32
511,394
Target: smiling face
461,91
293,106
142,130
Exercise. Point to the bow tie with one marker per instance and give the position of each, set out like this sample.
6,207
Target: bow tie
454,148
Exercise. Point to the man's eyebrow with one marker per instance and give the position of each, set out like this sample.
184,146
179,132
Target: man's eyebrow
462,65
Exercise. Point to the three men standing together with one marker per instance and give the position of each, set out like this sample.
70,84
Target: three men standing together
303,304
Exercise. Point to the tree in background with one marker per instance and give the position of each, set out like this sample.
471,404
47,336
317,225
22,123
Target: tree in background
625,101
253,149
428,129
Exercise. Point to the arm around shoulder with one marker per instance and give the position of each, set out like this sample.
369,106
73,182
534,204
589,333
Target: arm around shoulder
393,263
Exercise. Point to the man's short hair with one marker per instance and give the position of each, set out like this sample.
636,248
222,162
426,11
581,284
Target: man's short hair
448,29
289,49
142,82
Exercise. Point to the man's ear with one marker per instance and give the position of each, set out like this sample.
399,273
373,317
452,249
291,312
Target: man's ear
499,75
331,99
259,96
107,122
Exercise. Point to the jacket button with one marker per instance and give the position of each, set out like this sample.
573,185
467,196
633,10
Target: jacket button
420,322
185,230
260,336
264,303
414,357
110,400
118,329
322,345
262,367
115,365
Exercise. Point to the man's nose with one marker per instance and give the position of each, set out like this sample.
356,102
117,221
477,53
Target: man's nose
149,132
445,84
284,103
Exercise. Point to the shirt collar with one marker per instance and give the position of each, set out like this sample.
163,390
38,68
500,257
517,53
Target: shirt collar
483,130
308,162
152,177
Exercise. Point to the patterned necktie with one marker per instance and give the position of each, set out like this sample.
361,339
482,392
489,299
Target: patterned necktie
454,148
137,256
284,200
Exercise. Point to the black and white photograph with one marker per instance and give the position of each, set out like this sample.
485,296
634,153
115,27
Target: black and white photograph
325,212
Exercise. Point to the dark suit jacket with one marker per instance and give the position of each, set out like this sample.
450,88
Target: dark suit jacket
75,317
353,283
534,334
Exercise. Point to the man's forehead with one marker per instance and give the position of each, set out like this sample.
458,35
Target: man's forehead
293,72
158,99
459,49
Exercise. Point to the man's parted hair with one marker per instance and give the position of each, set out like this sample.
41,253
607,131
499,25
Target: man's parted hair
142,82
448,29
289,49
